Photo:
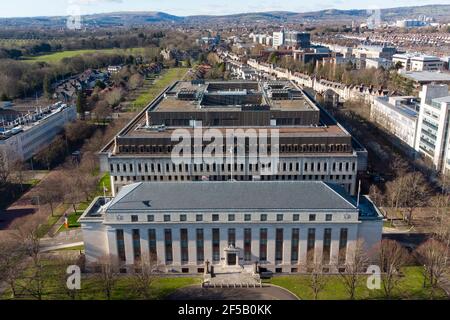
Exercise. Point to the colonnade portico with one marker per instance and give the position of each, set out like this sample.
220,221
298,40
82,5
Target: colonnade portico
287,263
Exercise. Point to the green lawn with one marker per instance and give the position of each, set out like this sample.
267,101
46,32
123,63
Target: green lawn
58,56
410,286
166,78
54,282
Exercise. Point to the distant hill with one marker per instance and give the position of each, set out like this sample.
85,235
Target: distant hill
439,12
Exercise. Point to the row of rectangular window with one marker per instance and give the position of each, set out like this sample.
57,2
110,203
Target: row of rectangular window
231,217
291,166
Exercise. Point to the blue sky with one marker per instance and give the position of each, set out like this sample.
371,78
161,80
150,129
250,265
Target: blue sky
27,8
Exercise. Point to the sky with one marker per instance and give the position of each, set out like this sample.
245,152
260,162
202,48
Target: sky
32,8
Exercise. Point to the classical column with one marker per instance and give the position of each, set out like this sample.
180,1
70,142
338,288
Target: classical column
112,241
255,244
271,244
160,246
145,250
176,246
318,248
128,239
352,238
303,246
334,255
207,243
287,236
240,244
192,245
223,241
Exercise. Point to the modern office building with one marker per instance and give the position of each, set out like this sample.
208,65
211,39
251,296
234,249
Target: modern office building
418,62
32,131
284,226
278,39
374,51
433,126
295,39
397,115
300,140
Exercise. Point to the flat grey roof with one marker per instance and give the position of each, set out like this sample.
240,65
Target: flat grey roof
427,76
228,195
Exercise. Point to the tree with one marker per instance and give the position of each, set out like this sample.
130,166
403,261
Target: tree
50,191
416,195
317,279
433,254
114,97
391,257
81,103
47,87
356,263
144,276
108,274
136,81
12,255
102,111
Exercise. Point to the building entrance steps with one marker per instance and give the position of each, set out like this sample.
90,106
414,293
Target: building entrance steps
231,278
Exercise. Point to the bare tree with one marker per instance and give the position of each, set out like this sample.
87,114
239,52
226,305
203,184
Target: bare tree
391,257
144,275
61,265
12,256
49,190
356,264
108,266
416,195
27,232
317,279
433,254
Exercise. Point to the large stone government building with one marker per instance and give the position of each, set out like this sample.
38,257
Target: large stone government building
282,225
312,145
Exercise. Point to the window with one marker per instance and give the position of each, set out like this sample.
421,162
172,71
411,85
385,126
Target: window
247,244
152,244
199,217
168,245
216,244
263,244
134,218
279,217
200,245
247,217
326,246
120,245
184,245
264,217
279,245
312,217
342,245
136,245
231,217
166,217
296,217
215,217
150,218
328,217
294,244
310,244
183,217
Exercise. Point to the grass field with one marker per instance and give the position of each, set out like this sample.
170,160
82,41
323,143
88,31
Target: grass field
166,78
54,283
410,286
58,56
